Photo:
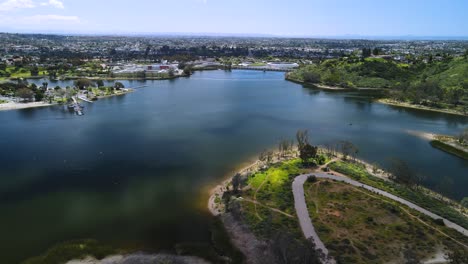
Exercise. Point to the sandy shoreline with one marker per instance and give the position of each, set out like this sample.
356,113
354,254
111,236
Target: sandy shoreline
17,106
217,208
217,191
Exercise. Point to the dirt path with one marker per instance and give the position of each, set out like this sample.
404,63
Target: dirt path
413,216
255,195
411,205
268,207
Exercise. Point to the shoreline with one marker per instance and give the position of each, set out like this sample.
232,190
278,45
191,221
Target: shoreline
98,78
218,190
419,107
238,235
444,143
334,88
385,101
11,106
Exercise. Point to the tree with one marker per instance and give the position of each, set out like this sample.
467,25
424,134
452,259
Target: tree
45,85
83,83
307,152
188,69
25,94
454,95
99,83
463,137
266,156
119,85
34,71
348,149
57,88
302,137
171,72
366,52
403,174
285,146
376,51
39,95
311,77
236,182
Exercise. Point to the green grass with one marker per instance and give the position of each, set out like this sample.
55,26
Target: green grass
258,64
449,149
441,84
276,192
357,171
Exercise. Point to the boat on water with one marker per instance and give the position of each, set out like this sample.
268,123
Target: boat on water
77,108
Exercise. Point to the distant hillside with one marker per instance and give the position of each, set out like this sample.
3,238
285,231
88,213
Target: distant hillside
438,82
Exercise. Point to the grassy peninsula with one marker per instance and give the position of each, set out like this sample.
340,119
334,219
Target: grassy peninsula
356,225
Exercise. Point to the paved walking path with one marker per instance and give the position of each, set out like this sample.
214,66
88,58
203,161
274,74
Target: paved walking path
304,217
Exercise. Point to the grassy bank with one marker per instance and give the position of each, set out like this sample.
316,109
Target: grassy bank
272,188
454,110
449,149
437,85
359,173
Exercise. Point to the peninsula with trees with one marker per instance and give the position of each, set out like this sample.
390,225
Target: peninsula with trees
353,212
432,82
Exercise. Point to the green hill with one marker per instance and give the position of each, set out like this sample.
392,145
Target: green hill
439,84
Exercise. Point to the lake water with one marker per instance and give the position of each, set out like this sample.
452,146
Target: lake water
134,169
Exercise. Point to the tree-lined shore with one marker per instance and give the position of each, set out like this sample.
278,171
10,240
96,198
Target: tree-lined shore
440,85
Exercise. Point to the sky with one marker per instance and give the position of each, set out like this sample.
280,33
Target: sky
270,17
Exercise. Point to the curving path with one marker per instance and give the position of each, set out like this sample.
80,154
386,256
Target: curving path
304,218
306,223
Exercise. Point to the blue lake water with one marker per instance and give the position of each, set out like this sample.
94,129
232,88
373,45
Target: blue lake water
134,169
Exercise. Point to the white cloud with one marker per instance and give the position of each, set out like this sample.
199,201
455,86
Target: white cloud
38,19
16,4
54,3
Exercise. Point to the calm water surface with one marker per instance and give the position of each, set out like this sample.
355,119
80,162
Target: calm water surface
133,170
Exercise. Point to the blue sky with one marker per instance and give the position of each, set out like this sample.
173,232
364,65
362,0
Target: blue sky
277,17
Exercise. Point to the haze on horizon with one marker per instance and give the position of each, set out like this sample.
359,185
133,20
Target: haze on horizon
264,17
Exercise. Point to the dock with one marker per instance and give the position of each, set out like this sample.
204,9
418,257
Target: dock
84,99
77,107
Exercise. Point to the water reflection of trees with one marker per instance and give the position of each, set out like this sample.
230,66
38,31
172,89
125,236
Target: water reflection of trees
452,120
